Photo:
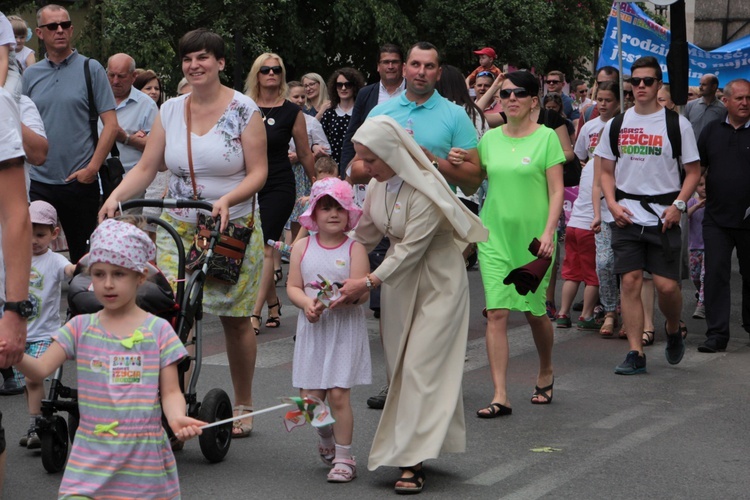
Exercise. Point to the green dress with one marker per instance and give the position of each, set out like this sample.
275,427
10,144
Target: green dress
515,211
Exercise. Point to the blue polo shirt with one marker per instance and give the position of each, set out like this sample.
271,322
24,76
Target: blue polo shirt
437,124
135,112
59,92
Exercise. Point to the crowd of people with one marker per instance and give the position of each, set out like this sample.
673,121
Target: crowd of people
385,192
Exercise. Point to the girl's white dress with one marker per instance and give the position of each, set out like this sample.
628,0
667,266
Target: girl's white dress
335,351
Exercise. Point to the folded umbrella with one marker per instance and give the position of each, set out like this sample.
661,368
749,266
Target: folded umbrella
527,278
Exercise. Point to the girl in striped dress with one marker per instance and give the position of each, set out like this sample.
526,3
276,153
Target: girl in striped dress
127,374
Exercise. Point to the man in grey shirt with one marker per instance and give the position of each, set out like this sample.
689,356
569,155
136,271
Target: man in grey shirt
68,179
707,108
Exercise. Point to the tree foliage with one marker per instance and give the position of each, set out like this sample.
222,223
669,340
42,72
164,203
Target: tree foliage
320,36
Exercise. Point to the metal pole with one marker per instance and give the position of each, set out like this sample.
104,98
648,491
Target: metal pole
619,56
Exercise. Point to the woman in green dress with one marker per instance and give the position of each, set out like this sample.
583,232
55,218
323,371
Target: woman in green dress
523,164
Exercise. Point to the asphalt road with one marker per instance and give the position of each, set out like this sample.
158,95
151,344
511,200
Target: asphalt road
675,432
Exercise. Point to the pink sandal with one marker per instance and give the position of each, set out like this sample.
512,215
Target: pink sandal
344,470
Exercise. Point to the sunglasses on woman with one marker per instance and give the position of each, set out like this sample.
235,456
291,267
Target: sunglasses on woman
344,85
519,92
648,81
264,70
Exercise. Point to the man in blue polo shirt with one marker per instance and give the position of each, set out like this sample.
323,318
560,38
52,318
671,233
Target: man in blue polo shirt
442,128
68,179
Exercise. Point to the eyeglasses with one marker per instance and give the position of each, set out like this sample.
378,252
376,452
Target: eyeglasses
344,85
390,62
648,81
627,93
264,70
691,94
519,92
53,26
552,82
583,91
310,85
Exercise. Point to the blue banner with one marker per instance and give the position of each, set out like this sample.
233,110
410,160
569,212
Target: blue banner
641,36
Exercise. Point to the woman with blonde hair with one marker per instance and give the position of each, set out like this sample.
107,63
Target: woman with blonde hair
283,120
316,95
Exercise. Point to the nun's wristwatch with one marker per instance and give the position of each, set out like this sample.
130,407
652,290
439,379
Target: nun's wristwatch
368,283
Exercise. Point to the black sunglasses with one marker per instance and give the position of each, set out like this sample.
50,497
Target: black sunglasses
648,81
519,92
264,70
344,85
53,26
627,93
552,82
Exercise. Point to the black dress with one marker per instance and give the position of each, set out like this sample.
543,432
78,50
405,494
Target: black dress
334,125
276,199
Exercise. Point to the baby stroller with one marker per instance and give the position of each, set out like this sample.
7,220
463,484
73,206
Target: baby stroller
184,311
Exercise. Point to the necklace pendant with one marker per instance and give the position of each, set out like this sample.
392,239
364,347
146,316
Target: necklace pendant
271,121
387,226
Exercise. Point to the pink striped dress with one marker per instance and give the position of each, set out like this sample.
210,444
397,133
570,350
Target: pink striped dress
120,449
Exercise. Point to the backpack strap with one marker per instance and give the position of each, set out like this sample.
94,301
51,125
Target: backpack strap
614,134
673,133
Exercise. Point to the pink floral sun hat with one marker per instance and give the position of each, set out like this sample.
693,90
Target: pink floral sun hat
339,190
121,244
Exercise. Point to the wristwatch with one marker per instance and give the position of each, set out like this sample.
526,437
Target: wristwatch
24,308
368,283
681,206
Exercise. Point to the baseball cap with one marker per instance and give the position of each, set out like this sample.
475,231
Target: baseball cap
42,212
487,51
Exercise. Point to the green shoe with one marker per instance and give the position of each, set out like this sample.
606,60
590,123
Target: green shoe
591,323
563,321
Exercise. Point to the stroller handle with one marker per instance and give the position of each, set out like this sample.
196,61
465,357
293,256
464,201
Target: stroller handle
167,203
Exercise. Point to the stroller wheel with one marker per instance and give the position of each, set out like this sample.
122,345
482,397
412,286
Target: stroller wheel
55,444
215,441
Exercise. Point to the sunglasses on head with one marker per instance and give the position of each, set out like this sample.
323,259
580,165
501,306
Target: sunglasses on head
552,82
648,81
519,92
264,70
344,85
53,26
485,73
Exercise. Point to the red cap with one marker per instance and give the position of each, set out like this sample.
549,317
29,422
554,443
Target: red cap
487,51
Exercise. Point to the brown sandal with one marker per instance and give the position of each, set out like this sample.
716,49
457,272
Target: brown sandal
608,327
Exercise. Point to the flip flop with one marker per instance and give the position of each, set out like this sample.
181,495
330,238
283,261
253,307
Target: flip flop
495,410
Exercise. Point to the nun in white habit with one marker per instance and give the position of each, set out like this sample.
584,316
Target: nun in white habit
425,298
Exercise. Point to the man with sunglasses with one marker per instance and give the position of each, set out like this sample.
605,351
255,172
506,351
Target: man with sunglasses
57,85
645,193
579,92
707,108
555,82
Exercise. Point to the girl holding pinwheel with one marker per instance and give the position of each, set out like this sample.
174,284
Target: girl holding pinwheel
127,374
332,351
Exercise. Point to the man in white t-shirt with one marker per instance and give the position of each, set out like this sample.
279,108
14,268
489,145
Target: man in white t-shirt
15,241
646,198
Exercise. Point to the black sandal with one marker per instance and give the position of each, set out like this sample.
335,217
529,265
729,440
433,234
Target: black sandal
417,480
648,337
278,274
260,320
274,321
541,392
495,410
